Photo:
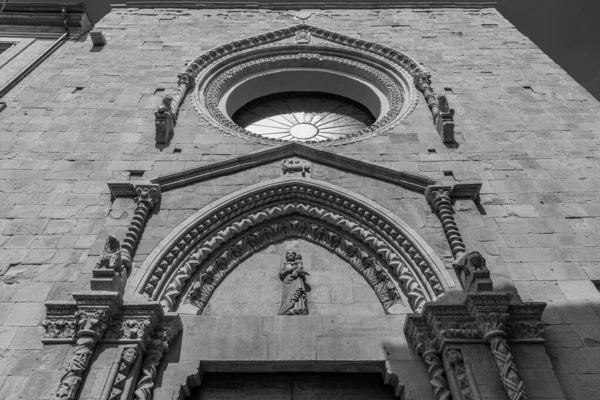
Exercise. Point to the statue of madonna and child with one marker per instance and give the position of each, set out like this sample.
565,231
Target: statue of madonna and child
293,276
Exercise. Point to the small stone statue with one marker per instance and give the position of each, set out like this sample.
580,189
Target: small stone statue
295,166
471,269
293,276
111,255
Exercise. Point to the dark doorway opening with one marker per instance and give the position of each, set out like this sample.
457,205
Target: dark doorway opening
292,386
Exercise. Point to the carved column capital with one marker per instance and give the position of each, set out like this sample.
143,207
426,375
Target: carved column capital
95,310
61,322
525,322
436,195
186,78
147,193
135,324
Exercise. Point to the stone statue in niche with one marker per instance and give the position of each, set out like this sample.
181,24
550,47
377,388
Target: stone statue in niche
293,276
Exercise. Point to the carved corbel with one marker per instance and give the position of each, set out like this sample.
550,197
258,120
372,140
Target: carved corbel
419,337
166,115
148,196
94,313
491,314
157,346
443,115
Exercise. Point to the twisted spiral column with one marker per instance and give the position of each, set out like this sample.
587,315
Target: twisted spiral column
443,116
423,82
492,325
147,197
184,83
514,386
438,198
437,375
143,390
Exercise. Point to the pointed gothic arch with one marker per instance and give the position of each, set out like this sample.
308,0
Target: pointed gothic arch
355,228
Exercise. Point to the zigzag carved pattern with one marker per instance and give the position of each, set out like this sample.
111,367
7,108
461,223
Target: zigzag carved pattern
164,267
397,261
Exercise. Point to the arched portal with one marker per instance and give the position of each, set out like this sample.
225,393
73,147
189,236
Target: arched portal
380,246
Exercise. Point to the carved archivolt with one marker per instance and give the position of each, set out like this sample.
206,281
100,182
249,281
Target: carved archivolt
248,221
380,280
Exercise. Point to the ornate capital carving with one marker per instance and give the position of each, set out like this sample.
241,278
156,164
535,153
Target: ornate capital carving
147,194
135,323
525,322
186,79
61,322
95,310
491,324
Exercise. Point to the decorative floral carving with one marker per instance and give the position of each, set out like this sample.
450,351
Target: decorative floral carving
62,321
402,255
525,330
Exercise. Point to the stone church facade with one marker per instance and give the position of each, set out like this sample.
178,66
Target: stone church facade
211,200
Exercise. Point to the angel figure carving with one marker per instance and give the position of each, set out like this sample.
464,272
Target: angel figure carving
293,276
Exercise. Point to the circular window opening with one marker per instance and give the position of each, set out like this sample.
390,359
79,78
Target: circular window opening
303,116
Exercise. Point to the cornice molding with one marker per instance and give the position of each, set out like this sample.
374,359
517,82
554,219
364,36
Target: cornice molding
17,18
293,5
414,182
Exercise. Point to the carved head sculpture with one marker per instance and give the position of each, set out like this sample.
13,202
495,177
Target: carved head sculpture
67,388
290,255
112,244
454,356
80,359
129,355
473,261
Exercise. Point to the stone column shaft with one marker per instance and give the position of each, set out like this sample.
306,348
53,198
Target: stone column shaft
438,198
147,197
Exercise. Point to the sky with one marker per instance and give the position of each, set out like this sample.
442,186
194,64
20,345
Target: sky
566,30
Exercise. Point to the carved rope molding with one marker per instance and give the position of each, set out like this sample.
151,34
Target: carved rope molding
402,263
162,263
147,197
348,250
166,114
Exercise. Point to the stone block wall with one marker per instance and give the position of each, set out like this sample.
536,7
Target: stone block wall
525,129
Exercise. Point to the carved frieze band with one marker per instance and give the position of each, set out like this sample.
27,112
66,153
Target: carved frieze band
166,114
342,213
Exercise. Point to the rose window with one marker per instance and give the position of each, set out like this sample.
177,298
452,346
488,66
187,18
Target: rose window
302,116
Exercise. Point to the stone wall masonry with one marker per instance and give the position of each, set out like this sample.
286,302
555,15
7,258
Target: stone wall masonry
524,129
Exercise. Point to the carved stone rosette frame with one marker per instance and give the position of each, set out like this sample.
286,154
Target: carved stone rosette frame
357,49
